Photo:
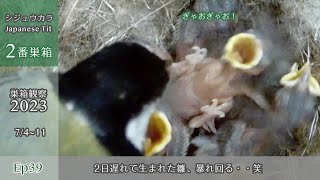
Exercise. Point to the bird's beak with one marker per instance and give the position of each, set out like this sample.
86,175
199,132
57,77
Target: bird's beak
158,134
302,79
243,51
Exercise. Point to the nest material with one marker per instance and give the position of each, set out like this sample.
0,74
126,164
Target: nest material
302,19
87,25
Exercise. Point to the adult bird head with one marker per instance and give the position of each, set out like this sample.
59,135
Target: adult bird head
117,91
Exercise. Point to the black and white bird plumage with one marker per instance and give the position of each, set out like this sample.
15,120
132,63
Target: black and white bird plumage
116,89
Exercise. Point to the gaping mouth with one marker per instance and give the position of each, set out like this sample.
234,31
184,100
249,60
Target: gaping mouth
158,134
243,51
296,76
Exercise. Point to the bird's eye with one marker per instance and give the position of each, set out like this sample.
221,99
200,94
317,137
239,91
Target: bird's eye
158,133
243,51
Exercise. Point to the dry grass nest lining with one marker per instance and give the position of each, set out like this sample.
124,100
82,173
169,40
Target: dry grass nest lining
87,25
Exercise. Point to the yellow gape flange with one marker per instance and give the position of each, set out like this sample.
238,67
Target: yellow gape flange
243,51
301,76
158,134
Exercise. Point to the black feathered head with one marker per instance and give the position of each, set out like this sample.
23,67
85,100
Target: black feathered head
117,89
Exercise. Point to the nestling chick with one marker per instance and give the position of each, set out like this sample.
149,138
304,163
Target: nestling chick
200,80
296,101
117,90
294,105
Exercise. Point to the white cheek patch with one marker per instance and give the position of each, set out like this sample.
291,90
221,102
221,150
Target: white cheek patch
136,129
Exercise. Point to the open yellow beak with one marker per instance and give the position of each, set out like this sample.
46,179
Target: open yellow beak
158,134
298,76
243,51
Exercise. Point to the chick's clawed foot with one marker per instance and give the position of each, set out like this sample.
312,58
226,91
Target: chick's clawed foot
217,109
191,60
197,55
